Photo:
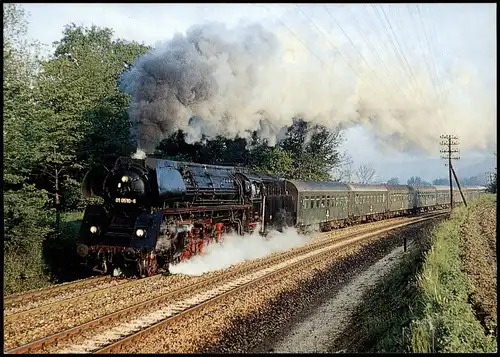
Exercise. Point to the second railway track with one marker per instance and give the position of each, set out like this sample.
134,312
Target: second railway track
21,298
188,299
98,288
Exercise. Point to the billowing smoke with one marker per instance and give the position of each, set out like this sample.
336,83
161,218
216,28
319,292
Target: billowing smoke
215,80
236,249
139,154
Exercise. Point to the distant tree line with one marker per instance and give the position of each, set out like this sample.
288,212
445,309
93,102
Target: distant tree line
417,180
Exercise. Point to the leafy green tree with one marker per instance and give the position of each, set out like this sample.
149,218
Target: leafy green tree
272,160
85,123
307,152
22,130
314,150
27,215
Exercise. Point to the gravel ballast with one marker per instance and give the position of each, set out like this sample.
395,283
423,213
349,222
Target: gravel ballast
253,319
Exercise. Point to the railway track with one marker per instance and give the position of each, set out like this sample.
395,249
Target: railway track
155,313
20,298
76,300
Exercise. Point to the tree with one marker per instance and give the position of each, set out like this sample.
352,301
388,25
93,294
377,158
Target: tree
85,120
27,223
307,152
365,173
216,151
27,215
22,128
273,161
492,185
393,181
314,150
344,171
416,180
441,182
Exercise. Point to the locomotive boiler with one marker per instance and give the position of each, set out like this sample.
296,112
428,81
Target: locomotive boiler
157,212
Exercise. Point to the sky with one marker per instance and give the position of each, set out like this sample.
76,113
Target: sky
434,56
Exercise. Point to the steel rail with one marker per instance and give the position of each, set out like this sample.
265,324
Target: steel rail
60,336
10,299
55,305
184,310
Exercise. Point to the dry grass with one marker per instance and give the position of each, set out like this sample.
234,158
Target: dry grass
478,241
443,301
449,322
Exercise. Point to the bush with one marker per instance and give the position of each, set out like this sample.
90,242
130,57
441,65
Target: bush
60,249
27,223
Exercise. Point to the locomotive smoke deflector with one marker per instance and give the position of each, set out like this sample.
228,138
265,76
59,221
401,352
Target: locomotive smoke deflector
93,181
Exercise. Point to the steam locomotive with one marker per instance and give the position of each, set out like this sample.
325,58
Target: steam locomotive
158,212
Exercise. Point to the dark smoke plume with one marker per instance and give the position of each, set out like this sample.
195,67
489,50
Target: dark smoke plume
251,78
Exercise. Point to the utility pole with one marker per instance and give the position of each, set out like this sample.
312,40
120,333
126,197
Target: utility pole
448,142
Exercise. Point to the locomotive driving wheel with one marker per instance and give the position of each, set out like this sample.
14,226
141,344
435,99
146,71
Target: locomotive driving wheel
148,265
152,265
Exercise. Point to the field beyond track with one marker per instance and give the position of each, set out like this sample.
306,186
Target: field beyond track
443,294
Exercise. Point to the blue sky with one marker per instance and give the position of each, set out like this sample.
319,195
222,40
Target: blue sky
460,46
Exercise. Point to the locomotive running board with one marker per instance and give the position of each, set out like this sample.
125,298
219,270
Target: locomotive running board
206,209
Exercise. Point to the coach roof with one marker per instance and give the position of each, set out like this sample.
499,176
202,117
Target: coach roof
319,186
358,187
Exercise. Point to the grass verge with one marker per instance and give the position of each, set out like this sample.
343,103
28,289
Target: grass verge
426,303
449,322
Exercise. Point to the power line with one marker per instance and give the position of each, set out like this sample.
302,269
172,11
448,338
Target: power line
425,53
441,97
383,44
399,46
354,46
391,42
359,28
405,66
329,42
405,45
304,44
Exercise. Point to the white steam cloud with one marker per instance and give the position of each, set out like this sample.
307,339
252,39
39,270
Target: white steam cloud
236,249
215,80
139,154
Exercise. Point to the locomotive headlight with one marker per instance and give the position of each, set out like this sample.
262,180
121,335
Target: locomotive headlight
124,178
93,229
139,232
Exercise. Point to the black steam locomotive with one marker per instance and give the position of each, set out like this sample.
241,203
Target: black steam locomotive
156,212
